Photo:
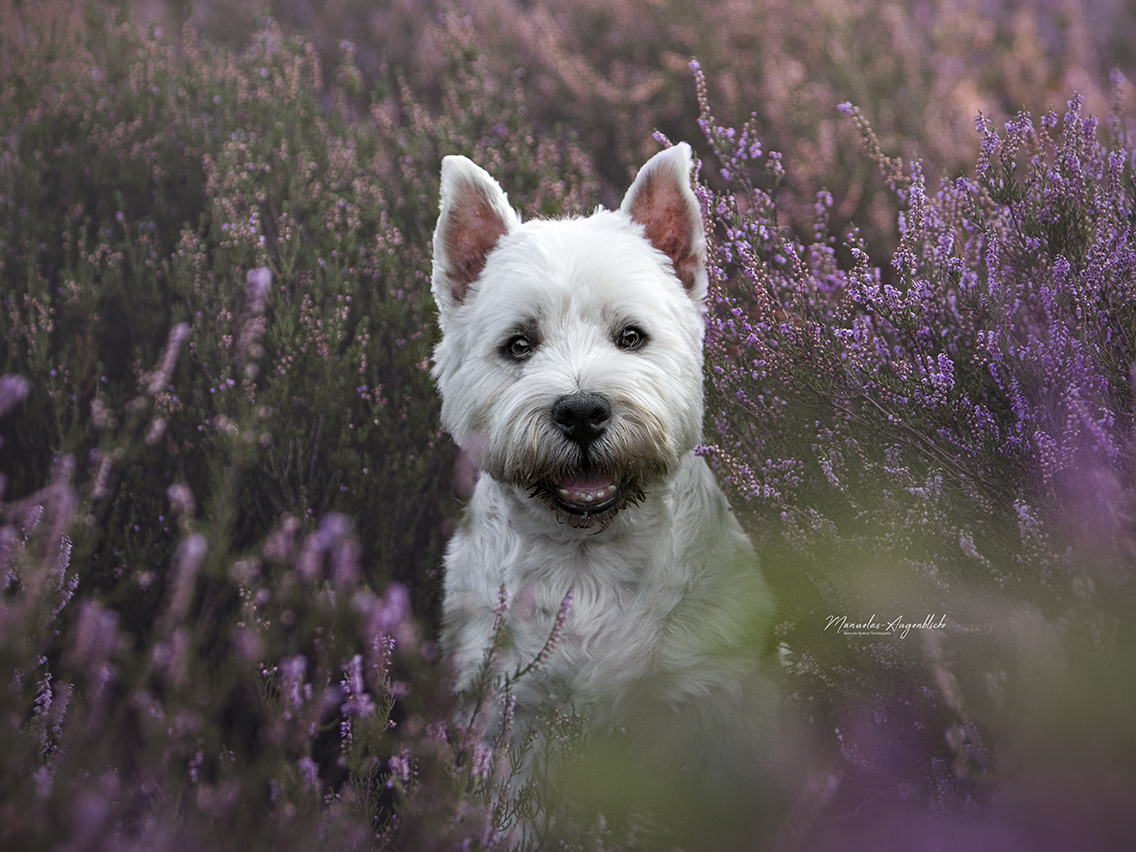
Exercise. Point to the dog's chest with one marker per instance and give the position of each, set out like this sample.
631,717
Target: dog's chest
620,600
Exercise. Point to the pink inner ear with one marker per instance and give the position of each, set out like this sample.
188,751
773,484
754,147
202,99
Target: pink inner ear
471,231
659,206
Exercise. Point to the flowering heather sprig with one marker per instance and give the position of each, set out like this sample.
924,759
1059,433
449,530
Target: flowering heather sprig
552,641
966,358
392,615
334,539
736,150
295,692
965,413
252,324
13,389
96,636
401,769
181,500
359,702
501,610
160,378
64,585
309,774
187,563
892,167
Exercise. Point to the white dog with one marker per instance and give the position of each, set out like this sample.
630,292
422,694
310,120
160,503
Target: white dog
570,370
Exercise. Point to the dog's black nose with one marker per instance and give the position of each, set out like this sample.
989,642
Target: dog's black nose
582,417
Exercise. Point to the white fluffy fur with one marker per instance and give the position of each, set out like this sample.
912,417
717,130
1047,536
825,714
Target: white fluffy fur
667,589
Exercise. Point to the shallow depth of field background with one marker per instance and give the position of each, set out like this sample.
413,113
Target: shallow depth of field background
224,492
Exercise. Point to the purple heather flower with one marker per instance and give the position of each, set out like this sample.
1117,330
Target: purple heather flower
391,615
400,767
335,538
161,377
187,561
96,636
358,701
13,389
309,774
554,637
256,290
292,675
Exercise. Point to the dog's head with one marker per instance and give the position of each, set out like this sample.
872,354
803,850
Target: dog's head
571,356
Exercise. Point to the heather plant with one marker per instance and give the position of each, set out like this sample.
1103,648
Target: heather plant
949,441
167,178
224,490
616,71
224,485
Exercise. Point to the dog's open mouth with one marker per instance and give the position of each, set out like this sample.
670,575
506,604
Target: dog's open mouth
588,497
586,493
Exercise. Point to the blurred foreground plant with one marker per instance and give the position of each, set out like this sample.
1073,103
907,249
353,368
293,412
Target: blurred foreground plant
219,434
939,463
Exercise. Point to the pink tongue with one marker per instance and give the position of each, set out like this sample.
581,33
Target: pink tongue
586,490
581,482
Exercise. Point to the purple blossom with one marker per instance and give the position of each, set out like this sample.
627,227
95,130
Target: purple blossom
96,636
393,610
256,290
309,774
187,562
401,768
13,389
335,540
161,377
358,702
292,676
553,637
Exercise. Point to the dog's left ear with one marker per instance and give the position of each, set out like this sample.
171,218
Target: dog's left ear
662,201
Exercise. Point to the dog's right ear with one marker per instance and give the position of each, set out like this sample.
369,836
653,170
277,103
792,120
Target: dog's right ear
475,214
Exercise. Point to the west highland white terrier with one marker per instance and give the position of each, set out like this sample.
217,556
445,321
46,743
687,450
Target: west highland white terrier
570,370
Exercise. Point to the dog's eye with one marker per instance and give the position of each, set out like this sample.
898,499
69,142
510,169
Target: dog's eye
518,347
630,338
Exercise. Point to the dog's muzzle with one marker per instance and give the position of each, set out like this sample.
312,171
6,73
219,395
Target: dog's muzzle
587,491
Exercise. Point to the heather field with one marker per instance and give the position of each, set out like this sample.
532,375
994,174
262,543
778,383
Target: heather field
224,491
